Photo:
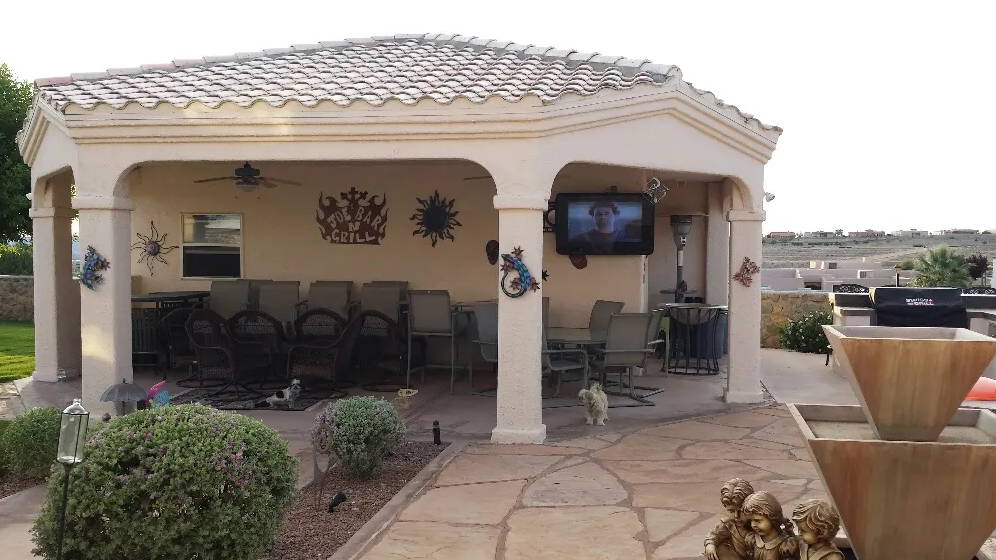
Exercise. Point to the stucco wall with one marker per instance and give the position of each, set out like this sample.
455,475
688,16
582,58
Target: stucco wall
16,298
778,307
281,240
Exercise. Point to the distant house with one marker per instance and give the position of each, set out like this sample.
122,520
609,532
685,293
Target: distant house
868,233
820,234
910,233
781,235
961,232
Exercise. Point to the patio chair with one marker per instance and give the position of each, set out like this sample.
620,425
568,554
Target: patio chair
321,336
486,337
332,295
625,347
378,340
259,343
279,300
178,349
401,285
601,312
430,315
228,297
216,355
384,299
254,284
557,361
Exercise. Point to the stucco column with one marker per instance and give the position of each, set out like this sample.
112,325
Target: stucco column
56,294
717,247
520,320
105,224
744,382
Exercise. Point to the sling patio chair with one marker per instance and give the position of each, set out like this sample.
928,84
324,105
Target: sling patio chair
430,315
228,297
332,295
625,348
484,333
279,300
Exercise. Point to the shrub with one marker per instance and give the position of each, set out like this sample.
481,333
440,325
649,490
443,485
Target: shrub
183,481
365,430
15,259
941,267
805,333
29,442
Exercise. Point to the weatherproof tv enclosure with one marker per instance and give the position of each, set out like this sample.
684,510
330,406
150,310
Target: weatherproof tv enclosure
604,224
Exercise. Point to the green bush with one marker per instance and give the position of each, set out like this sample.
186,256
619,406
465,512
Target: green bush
16,259
29,442
365,430
185,482
805,333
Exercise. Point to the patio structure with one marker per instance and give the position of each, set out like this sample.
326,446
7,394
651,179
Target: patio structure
499,127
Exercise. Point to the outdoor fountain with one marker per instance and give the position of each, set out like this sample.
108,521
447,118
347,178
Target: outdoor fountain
912,475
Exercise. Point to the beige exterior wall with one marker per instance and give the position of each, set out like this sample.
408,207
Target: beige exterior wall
282,241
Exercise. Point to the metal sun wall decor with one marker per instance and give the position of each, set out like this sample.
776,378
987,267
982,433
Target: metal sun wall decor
357,218
93,265
524,281
746,273
153,247
436,218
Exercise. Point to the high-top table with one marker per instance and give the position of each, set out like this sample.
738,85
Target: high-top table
145,320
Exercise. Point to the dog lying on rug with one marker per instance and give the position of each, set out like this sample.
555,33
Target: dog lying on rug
284,398
596,404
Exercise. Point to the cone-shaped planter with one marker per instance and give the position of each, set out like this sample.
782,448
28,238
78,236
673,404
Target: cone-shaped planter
910,380
906,500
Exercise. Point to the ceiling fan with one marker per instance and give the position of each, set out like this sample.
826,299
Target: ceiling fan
247,178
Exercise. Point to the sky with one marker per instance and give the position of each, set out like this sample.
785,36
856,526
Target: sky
887,107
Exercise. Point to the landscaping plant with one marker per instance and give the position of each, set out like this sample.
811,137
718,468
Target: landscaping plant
364,431
29,442
941,267
180,482
978,265
805,332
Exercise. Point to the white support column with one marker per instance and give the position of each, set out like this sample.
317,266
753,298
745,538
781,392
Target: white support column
744,382
56,294
520,320
105,224
717,247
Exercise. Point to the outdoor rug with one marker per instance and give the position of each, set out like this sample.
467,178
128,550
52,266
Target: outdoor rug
309,397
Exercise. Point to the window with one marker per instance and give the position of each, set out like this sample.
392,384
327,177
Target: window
212,246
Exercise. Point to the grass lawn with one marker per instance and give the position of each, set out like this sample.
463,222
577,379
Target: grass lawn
17,350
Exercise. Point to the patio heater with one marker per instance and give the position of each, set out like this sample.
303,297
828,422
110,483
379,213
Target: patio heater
681,225
72,434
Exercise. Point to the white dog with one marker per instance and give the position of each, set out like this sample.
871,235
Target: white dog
284,397
596,404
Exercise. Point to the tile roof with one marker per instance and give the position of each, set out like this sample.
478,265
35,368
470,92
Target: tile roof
406,68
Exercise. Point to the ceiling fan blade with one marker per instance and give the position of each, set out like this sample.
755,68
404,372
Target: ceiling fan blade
216,179
476,178
266,183
281,181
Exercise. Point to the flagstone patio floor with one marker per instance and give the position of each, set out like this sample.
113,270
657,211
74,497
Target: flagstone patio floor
649,493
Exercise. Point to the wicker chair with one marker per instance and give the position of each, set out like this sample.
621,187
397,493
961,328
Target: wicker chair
178,349
260,345
322,336
217,355
377,342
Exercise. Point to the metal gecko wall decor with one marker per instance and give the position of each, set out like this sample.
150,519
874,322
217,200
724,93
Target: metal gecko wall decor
519,285
436,218
746,273
93,265
152,247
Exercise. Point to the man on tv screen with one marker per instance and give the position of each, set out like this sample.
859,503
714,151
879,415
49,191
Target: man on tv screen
605,231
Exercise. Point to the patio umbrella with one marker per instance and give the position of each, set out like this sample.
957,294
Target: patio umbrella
123,393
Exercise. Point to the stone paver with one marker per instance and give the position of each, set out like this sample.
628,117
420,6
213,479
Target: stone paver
467,469
591,443
729,450
435,541
742,420
586,484
662,523
644,446
523,449
688,543
786,467
578,533
684,470
701,431
485,504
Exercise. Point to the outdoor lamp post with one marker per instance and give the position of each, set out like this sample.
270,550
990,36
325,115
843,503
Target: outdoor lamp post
681,226
72,433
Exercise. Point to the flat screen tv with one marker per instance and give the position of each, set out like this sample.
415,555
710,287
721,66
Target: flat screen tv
604,224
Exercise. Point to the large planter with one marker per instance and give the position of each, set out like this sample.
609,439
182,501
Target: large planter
902,499
910,380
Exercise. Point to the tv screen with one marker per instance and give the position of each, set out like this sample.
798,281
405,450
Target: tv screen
604,224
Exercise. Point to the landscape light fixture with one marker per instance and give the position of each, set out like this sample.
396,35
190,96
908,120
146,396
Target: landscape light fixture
72,434
898,269
681,225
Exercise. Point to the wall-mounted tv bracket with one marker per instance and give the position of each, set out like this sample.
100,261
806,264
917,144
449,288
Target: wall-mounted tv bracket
550,217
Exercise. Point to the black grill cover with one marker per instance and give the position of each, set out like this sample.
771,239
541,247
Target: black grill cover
919,307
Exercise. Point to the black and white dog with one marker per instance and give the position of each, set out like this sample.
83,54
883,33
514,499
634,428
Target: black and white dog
284,398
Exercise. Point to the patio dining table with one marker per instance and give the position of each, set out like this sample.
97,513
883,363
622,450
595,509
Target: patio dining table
579,337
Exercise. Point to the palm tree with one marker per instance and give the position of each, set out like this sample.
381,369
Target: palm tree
941,267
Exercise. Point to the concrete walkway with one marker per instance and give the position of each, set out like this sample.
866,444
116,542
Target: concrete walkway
17,515
651,493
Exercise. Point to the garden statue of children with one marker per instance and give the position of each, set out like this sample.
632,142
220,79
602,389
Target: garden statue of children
818,523
770,536
726,540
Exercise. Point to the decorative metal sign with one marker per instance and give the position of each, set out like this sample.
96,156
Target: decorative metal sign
746,273
655,190
93,265
356,219
436,218
517,286
152,247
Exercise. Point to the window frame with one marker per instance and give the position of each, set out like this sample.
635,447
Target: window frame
242,240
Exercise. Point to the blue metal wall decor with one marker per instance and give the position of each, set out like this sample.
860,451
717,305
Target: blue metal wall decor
435,218
152,247
523,282
93,265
